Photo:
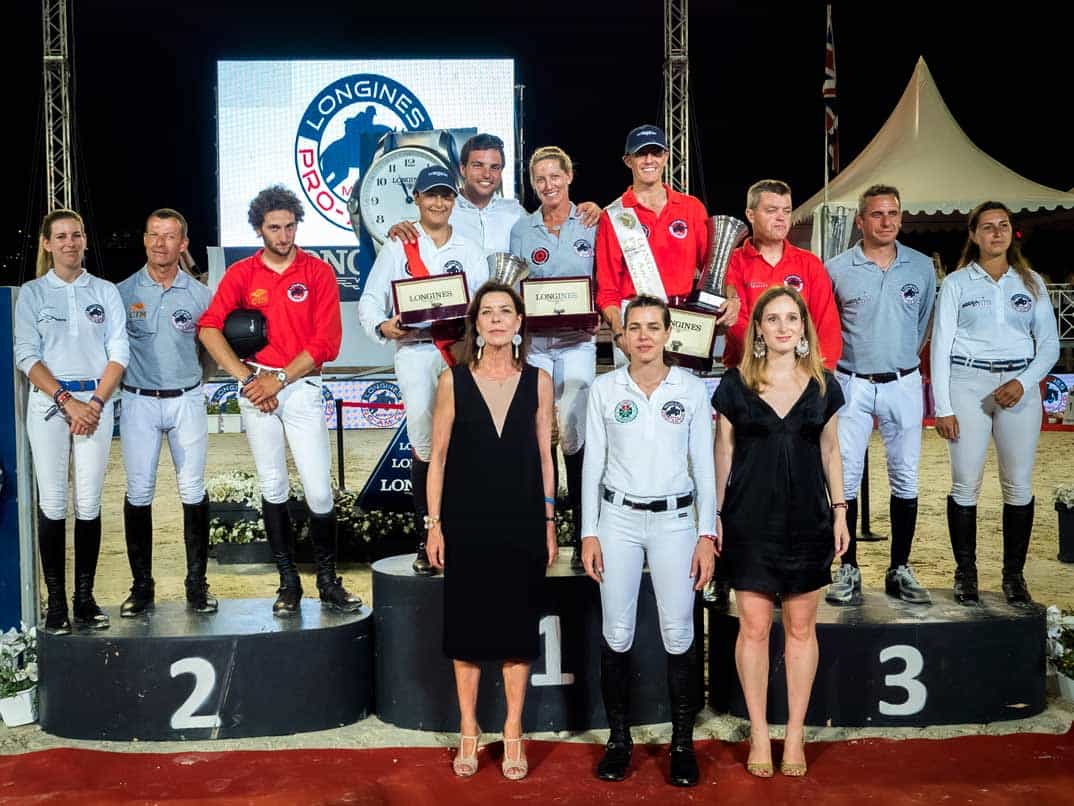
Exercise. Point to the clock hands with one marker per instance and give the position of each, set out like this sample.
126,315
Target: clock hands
406,193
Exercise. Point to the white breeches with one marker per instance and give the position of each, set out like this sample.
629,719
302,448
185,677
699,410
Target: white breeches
143,423
417,369
572,367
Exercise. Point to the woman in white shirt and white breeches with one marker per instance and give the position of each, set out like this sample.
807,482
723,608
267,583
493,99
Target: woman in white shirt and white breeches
993,341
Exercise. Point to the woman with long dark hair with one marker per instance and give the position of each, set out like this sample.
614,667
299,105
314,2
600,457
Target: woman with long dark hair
491,525
71,342
993,341
783,519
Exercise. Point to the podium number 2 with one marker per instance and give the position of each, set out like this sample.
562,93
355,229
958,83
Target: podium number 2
916,693
204,682
553,656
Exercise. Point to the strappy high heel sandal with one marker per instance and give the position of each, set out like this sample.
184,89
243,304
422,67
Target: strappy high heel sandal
762,769
793,769
466,765
514,769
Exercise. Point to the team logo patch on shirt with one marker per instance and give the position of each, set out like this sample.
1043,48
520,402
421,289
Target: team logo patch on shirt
1022,302
453,267
678,229
183,321
539,255
259,296
626,411
297,292
910,293
95,313
583,248
795,282
136,311
673,411
387,394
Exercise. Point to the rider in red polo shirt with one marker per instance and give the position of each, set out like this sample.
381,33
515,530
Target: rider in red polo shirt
769,259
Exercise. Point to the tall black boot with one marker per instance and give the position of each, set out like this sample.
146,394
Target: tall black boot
574,463
962,526
281,540
138,531
196,538
684,688
1017,528
419,475
850,556
51,542
87,550
903,513
323,537
615,691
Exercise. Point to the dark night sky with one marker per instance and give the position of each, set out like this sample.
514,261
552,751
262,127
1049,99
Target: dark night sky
145,88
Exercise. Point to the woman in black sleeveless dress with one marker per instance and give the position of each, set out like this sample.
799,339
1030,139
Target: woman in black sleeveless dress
491,524
777,463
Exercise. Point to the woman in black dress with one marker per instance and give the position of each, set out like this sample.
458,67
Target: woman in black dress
780,479
491,525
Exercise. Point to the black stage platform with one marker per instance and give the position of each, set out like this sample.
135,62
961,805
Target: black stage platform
172,674
415,684
889,663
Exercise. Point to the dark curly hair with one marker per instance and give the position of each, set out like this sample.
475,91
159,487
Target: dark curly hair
276,197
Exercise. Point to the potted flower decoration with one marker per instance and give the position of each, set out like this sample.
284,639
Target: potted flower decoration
18,676
1064,505
1061,649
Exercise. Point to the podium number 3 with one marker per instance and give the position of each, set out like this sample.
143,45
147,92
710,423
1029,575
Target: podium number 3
553,656
204,682
916,693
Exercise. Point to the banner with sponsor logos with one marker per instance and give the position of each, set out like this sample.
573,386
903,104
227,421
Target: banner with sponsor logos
381,405
313,126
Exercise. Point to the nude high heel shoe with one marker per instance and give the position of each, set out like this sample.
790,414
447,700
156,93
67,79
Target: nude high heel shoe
514,769
466,765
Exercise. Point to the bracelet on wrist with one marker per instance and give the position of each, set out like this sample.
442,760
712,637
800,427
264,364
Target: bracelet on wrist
839,505
429,521
248,379
710,538
550,519
551,501
61,397
97,400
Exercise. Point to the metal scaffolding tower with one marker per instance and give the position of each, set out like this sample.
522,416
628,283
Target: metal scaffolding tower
677,93
59,179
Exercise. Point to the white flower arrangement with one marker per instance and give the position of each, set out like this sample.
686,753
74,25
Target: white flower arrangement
1060,625
1064,494
18,660
238,486
241,532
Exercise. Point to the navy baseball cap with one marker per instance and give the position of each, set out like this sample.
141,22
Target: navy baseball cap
643,136
434,177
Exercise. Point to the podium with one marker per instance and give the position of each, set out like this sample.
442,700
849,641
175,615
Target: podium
171,674
890,663
415,682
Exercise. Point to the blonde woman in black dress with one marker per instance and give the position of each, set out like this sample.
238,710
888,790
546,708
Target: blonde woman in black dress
783,519
491,526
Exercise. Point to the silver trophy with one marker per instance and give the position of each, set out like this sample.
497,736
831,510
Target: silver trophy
837,224
507,268
725,234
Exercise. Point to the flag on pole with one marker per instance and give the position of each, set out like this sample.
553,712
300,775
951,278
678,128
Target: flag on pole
831,117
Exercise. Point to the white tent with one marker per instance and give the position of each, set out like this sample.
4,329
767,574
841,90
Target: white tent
923,152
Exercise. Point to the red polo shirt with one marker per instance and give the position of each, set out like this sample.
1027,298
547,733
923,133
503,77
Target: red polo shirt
678,238
752,275
301,306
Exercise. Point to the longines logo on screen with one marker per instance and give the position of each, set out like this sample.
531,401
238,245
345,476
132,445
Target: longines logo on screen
339,130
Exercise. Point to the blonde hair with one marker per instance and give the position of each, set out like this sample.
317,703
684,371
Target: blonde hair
551,153
754,370
44,258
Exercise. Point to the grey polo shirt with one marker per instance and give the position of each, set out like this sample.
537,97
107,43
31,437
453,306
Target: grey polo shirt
162,328
884,313
569,255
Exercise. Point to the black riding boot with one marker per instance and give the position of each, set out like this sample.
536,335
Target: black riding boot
196,538
323,537
1017,528
684,688
51,542
419,474
615,691
281,540
903,523
962,526
138,530
87,550
574,494
850,556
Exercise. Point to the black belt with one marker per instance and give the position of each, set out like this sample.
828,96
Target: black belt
878,377
659,505
1005,365
159,392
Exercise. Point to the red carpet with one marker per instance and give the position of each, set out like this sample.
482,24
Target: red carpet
1024,769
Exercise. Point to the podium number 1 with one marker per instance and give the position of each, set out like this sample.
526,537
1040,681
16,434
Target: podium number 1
553,656
916,693
204,682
